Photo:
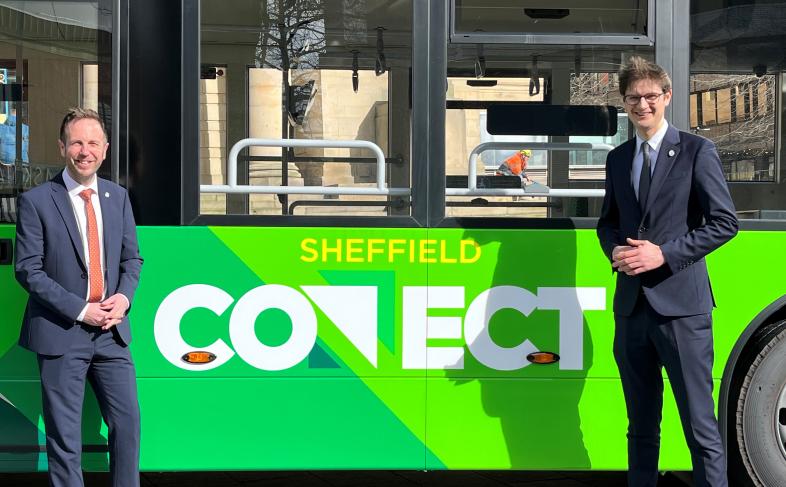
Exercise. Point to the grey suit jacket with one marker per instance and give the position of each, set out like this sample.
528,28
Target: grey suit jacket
50,264
689,213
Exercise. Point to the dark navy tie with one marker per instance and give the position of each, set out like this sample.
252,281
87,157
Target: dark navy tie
645,177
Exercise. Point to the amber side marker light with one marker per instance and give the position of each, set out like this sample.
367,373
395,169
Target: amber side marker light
198,357
543,357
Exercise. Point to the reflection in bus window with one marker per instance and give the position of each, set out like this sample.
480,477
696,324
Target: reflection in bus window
49,61
333,76
736,86
738,113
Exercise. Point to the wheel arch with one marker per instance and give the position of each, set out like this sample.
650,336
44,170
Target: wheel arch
773,312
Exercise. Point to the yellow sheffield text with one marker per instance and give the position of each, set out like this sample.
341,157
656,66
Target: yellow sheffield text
378,250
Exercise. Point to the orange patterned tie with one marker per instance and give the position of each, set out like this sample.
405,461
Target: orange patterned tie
94,249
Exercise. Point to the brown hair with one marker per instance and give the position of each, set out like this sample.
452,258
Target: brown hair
76,113
637,69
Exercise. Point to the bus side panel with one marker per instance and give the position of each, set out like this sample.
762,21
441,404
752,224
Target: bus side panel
305,328
509,407
278,423
374,348
540,424
527,291
746,276
20,402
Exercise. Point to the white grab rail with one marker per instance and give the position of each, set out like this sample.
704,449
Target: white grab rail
559,193
472,178
234,188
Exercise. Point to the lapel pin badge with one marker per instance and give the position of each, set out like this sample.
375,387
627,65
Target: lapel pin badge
671,152
106,195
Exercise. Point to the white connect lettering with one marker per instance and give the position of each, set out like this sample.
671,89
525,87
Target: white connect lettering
354,312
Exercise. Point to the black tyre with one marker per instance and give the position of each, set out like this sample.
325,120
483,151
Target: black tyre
757,441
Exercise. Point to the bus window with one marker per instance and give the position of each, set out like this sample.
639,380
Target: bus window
334,83
49,62
565,173
736,85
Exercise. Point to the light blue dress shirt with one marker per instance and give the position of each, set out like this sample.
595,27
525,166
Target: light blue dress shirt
638,160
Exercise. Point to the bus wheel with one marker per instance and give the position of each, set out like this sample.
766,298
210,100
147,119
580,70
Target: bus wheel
761,409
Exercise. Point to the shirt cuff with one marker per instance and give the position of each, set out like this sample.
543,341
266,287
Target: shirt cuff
81,316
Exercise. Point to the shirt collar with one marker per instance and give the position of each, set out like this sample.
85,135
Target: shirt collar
655,140
75,188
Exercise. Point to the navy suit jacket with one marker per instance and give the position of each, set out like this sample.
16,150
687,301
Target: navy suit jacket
689,213
50,264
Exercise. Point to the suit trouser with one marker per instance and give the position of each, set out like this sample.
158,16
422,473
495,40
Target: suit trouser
97,356
643,343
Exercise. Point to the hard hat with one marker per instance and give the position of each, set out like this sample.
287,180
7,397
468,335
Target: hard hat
526,152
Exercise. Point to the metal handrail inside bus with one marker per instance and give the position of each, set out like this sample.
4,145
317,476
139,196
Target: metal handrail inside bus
472,178
234,188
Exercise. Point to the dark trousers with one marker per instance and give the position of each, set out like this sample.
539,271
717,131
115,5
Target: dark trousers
98,357
644,343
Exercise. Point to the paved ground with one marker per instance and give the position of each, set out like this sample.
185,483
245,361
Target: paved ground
357,479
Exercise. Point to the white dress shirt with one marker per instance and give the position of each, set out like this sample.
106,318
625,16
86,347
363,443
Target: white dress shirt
78,204
638,159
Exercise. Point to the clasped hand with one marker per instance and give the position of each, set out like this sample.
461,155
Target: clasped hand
107,313
636,257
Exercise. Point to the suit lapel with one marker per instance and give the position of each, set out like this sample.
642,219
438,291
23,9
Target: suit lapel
626,155
109,223
63,205
667,155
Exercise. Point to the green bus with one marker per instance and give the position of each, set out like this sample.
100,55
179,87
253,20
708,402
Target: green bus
336,278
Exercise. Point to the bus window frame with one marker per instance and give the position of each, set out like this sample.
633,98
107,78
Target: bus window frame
668,40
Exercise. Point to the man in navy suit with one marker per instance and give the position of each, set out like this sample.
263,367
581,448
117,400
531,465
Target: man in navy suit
667,206
77,257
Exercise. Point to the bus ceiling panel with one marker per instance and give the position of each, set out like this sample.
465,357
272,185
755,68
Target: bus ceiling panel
552,120
627,22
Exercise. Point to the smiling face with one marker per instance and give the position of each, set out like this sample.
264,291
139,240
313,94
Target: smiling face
646,116
84,149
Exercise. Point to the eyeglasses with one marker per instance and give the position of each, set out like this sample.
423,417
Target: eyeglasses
634,100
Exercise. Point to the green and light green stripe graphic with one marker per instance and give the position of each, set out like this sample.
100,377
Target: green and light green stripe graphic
373,348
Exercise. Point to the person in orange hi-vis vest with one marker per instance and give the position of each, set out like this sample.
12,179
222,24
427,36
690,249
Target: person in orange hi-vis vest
516,165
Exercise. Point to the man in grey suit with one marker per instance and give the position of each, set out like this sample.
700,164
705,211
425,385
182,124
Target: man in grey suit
77,257
666,206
